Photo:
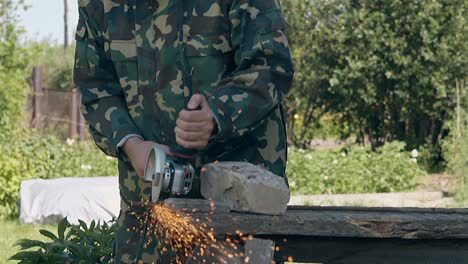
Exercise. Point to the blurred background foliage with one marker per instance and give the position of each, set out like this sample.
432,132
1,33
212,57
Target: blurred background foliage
378,77
35,156
13,61
25,153
56,63
353,170
383,70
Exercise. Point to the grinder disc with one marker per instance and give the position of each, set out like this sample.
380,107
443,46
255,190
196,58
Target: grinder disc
155,170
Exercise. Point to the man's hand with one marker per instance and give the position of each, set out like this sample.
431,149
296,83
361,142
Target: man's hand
195,126
137,151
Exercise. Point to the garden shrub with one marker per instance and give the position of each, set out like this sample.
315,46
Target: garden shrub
72,244
353,170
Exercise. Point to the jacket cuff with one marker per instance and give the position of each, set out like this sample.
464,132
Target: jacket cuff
121,136
222,118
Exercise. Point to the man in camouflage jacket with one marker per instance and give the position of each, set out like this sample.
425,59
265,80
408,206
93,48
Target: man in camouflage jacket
138,63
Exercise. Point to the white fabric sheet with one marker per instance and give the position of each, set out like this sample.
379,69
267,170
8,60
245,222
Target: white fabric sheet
87,199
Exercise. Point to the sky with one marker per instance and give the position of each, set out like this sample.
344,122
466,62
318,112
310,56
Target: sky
44,20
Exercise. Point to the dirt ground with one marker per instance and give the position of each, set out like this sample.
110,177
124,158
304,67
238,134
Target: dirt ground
445,183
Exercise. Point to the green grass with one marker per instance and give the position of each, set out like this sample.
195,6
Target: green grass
12,231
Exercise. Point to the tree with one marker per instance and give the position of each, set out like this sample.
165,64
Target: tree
386,69
13,61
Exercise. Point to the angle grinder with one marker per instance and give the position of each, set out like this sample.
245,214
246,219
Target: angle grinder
169,174
172,174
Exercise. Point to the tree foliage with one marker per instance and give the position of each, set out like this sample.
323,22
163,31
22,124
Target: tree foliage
13,60
385,69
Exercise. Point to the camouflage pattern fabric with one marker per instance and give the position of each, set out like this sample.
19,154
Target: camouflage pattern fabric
137,63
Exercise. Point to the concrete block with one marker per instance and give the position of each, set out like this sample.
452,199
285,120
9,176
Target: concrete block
249,188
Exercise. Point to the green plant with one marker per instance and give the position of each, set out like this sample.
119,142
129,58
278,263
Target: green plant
353,170
12,231
72,244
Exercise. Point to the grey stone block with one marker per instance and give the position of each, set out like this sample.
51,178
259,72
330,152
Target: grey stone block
248,187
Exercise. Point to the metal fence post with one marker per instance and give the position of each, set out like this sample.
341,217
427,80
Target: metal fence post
36,121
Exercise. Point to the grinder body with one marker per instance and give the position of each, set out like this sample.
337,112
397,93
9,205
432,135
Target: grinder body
168,174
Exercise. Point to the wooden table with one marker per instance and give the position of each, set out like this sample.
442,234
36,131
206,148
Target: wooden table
354,235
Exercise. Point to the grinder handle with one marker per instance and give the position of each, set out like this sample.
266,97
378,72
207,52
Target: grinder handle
182,152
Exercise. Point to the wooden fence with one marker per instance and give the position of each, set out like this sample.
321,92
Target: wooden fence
55,110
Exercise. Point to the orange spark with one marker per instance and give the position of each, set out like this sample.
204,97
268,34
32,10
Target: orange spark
183,234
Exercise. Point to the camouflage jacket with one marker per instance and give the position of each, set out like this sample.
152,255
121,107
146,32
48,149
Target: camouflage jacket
138,62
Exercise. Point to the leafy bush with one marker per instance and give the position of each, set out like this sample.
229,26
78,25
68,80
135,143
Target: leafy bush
13,60
385,69
72,244
32,156
353,170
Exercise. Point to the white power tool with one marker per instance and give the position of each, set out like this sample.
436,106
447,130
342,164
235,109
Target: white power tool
168,174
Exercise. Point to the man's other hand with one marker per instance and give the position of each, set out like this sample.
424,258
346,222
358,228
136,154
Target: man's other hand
195,126
137,151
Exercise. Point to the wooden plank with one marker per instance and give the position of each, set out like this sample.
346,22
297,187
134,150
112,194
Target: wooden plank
197,205
344,223
259,251
380,209
369,250
339,235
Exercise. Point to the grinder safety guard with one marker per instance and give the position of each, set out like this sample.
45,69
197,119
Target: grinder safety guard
168,174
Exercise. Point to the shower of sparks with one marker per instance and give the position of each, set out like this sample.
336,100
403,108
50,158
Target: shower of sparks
191,238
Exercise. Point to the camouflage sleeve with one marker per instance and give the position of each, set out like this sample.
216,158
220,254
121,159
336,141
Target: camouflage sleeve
264,71
102,98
